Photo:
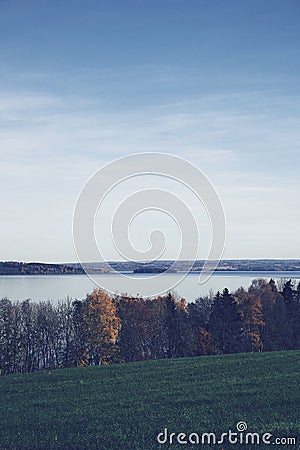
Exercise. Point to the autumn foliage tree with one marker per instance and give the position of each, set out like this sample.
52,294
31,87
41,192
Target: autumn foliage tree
137,331
101,325
252,315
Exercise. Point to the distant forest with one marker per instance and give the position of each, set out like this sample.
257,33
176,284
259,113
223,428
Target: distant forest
34,268
102,329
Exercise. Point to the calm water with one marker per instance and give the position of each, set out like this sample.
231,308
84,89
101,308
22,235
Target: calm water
77,286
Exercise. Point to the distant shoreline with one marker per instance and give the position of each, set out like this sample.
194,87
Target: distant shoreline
156,267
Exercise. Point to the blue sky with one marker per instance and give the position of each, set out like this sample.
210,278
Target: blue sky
215,82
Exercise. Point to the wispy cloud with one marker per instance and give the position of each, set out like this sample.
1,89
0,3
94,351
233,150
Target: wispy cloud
255,189
51,144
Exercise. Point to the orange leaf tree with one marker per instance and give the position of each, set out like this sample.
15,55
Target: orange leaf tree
101,326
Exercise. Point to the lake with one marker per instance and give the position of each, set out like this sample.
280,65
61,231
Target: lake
58,287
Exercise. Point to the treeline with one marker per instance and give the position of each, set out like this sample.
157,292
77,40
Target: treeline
21,268
103,330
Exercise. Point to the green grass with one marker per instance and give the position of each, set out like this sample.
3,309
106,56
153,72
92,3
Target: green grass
125,406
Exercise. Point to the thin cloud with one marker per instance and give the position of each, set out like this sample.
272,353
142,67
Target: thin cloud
255,189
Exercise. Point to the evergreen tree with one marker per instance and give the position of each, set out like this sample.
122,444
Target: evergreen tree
292,301
225,324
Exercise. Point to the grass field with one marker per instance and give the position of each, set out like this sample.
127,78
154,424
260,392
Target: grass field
125,406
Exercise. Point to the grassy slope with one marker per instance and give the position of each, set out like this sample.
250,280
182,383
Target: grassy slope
126,406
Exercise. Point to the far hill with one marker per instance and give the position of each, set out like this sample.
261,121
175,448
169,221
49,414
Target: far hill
126,406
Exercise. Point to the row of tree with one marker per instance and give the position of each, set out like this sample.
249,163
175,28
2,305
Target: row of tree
102,330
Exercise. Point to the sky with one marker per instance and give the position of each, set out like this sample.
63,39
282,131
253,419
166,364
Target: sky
85,83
